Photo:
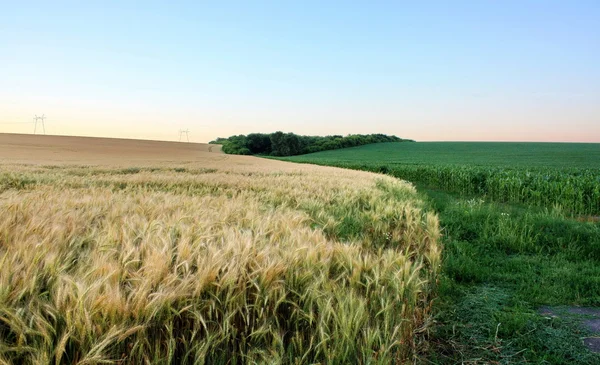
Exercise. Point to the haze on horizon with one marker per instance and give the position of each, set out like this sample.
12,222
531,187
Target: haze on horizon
431,70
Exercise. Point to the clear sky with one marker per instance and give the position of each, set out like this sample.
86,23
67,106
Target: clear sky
427,70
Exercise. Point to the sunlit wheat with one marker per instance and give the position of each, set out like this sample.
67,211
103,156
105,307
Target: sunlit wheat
201,264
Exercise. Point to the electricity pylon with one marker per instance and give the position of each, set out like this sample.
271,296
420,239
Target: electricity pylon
186,132
35,121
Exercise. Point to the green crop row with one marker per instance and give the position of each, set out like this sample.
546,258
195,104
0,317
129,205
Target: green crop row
576,191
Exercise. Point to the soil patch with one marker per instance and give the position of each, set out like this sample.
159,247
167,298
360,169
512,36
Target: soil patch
587,317
589,218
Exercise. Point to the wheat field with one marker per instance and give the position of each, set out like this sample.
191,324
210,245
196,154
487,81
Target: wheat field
196,257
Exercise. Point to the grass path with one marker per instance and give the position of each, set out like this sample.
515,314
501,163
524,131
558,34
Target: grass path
500,264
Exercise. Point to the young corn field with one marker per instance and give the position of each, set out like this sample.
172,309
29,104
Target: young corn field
209,265
576,191
537,174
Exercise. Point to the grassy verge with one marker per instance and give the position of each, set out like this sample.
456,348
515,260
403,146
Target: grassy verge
500,263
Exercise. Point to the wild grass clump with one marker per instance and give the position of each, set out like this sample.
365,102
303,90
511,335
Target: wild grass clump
172,267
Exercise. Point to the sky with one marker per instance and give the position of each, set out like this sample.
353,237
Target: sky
427,70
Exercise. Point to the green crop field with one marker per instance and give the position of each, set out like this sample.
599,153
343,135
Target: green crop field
535,174
497,154
521,232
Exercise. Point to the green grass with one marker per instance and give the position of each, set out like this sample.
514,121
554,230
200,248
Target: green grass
497,154
513,241
500,263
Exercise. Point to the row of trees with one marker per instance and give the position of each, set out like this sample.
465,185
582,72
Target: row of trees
290,144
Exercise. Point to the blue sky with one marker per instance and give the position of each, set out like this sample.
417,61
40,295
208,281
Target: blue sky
428,70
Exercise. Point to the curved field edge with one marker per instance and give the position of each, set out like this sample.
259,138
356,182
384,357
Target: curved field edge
197,265
501,262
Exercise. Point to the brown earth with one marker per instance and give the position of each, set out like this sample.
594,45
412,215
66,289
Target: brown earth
42,149
27,149
588,218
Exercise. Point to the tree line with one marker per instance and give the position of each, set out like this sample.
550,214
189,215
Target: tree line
290,144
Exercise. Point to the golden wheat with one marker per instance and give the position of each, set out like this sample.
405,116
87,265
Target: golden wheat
212,263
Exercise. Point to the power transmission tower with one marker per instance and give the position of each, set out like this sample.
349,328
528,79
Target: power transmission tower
186,132
35,121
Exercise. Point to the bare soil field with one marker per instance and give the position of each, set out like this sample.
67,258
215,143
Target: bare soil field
19,149
43,149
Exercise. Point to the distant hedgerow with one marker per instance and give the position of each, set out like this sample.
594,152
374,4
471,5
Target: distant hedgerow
290,144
